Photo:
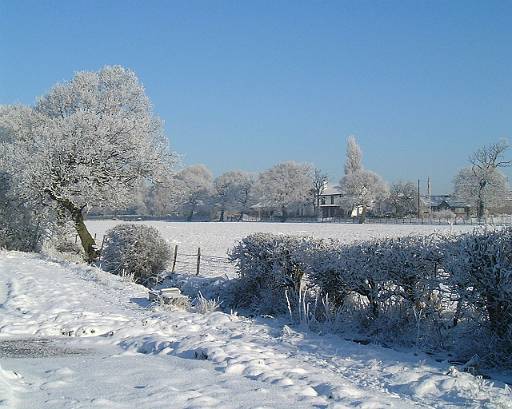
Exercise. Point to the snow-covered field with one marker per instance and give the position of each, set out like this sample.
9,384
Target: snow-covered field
73,336
215,239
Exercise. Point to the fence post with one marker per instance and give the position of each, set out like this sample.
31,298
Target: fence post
198,260
101,248
174,258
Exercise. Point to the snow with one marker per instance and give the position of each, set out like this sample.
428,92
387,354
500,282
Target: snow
94,341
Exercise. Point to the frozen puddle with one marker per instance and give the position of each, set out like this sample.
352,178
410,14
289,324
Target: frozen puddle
37,348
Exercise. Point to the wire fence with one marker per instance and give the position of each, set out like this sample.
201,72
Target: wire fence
200,263
192,263
470,221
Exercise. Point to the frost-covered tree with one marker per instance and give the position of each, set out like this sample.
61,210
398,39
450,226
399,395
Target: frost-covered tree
484,163
362,189
158,200
319,182
403,197
232,191
285,184
468,189
246,193
88,142
194,186
354,156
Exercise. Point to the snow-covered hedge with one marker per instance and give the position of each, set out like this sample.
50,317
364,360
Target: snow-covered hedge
480,278
427,290
267,270
138,250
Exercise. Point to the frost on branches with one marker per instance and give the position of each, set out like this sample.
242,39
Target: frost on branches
354,156
194,186
483,185
232,192
285,184
468,188
135,250
361,187
88,142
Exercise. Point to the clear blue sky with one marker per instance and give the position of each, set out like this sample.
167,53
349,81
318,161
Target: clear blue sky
247,84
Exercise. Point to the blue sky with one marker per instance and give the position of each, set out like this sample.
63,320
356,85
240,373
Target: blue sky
247,84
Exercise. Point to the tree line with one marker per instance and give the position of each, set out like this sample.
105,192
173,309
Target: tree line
289,186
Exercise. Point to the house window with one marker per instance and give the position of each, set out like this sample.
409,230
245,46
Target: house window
332,199
322,200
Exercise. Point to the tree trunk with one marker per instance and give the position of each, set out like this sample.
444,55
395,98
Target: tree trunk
481,204
221,218
362,216
191,214
284,214
499,320
88,243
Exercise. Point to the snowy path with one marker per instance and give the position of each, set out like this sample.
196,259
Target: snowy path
121,354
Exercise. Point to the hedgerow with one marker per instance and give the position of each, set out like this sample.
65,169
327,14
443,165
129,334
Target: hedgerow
416,290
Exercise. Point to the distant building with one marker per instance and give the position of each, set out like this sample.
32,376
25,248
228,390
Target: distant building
447,202
331,202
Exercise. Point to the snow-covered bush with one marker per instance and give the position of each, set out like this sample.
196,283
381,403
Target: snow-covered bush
409,291
61,243
323,262
19,229
342,271
267,269
411,267
135,249
480,276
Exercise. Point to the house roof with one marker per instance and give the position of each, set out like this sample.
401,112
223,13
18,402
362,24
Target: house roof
436,200
331,189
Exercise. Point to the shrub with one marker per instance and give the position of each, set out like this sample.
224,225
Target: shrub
324,263
61,243
480,275
19,230
266,269
135,249
398,273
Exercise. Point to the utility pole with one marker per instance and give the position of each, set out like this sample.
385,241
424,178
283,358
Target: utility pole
429,193
419,209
